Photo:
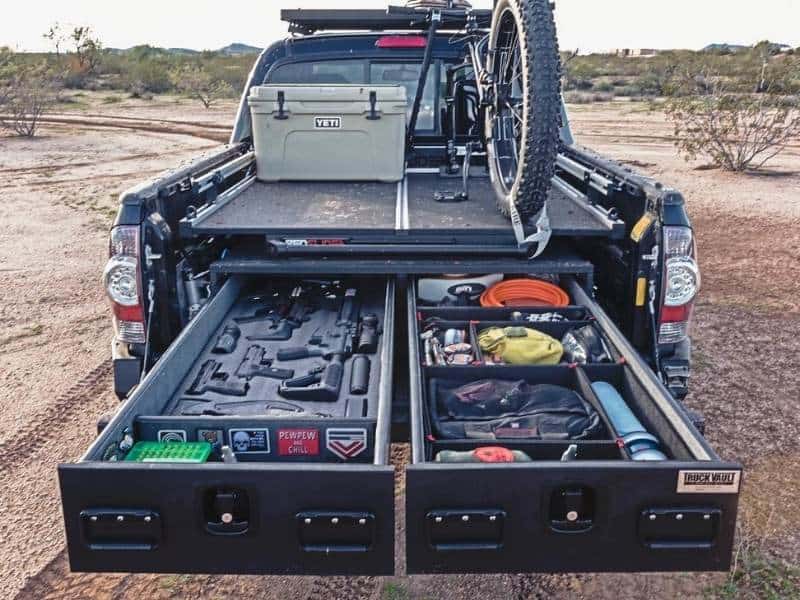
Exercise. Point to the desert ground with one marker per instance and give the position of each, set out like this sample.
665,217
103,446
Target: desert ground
58,200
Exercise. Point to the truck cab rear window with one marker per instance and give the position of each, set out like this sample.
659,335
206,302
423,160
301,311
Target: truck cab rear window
365,72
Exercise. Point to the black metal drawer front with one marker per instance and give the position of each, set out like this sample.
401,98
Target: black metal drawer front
184,503
605,535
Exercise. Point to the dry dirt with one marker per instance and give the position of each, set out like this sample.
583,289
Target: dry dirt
57,203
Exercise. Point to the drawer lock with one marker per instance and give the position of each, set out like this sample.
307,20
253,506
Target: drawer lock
227,511
572,509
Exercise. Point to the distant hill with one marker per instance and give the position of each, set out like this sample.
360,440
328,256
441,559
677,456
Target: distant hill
238,49
235,49
187,51
730,48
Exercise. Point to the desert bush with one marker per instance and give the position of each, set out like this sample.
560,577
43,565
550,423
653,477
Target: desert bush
149,75
26,92
88,48
197,83
737,131
586,97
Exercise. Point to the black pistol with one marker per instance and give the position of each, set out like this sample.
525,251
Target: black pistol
211,379
256,364
320,385
282,330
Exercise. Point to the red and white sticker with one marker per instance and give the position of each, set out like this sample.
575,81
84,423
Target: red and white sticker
346,443
298,442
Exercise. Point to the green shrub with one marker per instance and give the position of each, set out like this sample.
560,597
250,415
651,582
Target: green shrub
149,75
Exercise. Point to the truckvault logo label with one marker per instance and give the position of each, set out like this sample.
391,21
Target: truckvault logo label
708,482
327,122
346,443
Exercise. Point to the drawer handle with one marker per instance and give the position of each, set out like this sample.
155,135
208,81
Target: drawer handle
460,530
106,529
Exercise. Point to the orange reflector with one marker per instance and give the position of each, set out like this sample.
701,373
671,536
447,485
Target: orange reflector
638,231
641,291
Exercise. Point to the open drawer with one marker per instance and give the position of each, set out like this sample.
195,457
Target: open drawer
583,498
295,482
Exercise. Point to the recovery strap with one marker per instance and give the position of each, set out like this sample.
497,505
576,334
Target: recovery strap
541,237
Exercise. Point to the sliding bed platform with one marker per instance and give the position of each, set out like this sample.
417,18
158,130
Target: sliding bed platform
301,214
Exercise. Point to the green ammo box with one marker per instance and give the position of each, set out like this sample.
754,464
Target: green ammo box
170,452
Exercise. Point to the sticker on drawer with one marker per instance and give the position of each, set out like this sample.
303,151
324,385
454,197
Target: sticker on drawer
346,443
249,441
215,437
298,442
171,435
708,482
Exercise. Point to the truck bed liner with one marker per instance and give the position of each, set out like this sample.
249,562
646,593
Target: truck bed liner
372,212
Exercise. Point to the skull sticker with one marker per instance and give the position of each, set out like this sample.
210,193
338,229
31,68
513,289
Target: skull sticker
249,441
241,441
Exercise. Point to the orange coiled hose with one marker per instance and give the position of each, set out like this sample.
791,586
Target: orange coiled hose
524,292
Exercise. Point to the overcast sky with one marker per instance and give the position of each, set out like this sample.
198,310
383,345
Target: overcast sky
590,25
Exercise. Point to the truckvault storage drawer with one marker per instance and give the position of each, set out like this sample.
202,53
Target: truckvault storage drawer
310,490
576,504
347,132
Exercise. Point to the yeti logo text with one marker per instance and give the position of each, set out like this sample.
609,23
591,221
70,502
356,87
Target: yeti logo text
327,122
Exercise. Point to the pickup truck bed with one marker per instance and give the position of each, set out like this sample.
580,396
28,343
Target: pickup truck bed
385,213
316,513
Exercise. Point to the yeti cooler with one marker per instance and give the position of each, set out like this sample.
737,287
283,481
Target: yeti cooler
331,132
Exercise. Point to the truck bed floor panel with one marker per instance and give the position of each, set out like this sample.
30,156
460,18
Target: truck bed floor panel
372,212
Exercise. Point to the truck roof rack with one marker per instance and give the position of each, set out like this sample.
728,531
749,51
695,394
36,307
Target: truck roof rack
395,18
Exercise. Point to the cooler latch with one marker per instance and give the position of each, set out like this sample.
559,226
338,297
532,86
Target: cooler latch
281,116
373,106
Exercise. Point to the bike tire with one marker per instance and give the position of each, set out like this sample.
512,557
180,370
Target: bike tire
527,186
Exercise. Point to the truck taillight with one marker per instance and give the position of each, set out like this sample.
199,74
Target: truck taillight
123,281
680,284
